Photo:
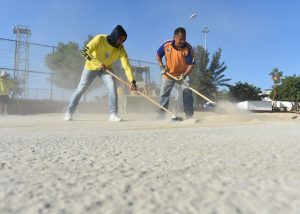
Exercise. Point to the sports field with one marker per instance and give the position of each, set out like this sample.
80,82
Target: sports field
214,163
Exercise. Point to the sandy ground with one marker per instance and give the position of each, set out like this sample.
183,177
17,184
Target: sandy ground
219,163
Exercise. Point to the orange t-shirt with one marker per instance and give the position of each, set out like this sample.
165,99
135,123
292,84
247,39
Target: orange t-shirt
177,61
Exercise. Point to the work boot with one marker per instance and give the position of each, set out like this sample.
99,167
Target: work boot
68,116
115,118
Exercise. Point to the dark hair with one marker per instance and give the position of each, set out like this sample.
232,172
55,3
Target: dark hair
180,30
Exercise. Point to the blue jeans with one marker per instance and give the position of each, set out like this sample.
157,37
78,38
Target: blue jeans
165,92
86,79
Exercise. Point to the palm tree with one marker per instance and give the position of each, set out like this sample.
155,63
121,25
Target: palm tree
276,75
208,75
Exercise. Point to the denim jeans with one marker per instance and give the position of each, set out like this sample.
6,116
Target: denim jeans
165,92
86,79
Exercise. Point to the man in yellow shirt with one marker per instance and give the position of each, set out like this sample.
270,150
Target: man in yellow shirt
5,86
100,53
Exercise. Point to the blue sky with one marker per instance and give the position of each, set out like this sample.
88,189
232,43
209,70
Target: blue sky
255,36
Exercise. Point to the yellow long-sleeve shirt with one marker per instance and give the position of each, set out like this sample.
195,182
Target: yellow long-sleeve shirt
5,86
99,51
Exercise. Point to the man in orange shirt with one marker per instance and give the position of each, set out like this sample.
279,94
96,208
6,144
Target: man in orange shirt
179,62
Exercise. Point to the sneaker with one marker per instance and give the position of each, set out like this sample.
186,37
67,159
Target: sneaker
68,116
114,118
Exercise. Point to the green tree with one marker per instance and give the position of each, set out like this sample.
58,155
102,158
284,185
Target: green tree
208,75
67,64
223,94
276,75
289,90
244,91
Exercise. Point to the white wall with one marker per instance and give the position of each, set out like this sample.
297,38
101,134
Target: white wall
255,105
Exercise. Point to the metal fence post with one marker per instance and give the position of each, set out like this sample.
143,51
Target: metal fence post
15,67
52,76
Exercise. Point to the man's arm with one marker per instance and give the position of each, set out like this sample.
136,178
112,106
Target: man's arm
190,60
188,70
127,68
159,55
159,60
87,52
186,73
126,65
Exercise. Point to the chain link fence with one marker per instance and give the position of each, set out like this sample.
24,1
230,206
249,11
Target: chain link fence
40,85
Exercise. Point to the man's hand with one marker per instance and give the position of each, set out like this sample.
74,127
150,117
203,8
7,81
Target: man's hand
101,67
163,69
181,79
133,85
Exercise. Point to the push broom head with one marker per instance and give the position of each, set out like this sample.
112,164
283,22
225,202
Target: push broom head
174,118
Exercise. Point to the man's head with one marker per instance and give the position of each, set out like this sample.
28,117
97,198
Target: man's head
117,37
120,40
180,37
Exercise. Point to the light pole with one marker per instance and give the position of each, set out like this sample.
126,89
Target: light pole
205,31
191,17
